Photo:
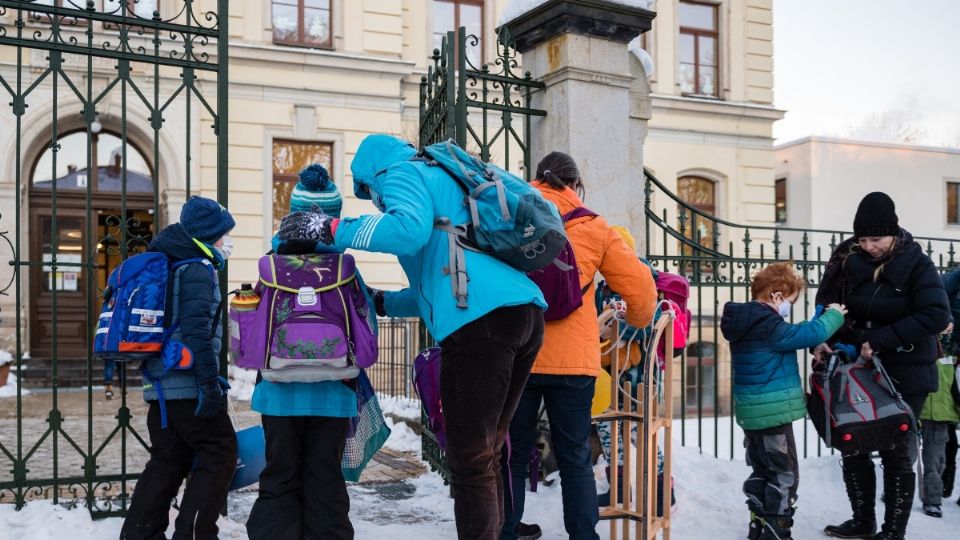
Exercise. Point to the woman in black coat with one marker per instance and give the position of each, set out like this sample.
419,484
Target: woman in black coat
896,308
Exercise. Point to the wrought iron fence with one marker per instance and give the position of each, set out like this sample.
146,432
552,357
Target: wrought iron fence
85,69
399,342
485,109
719,257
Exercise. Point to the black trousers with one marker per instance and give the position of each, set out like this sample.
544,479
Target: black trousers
483,368
302,491
204,448
771,489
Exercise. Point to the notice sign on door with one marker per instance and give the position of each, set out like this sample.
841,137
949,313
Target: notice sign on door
65,278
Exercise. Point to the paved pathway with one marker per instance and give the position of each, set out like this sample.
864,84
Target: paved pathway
109,443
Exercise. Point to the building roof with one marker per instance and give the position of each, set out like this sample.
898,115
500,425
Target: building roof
873,144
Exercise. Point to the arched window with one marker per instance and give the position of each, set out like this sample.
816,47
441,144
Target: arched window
71,169
700,195
700,369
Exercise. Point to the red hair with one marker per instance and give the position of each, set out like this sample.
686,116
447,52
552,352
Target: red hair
778,277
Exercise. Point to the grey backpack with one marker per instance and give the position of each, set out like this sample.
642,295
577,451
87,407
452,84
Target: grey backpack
856,408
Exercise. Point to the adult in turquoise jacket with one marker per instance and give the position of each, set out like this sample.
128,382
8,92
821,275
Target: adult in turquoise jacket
487,348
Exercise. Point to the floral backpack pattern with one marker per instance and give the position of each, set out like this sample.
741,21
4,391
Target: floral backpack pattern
311,321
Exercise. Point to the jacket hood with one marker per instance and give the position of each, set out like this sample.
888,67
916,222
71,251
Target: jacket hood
740,318
374,156
176,243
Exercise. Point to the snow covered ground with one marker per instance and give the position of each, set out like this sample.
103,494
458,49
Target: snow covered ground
709,504
10,390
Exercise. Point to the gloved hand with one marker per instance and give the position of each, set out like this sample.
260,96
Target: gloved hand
315,226
377,296
212,398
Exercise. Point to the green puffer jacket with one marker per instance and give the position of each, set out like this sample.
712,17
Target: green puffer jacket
939,406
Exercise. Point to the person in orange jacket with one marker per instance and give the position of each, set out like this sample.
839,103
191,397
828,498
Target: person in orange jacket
565,371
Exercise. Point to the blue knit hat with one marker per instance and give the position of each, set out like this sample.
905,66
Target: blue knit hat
316,190
205,219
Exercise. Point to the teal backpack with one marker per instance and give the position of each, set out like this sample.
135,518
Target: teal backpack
509,219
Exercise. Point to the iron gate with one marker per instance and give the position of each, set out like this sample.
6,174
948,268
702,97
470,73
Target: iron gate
719,258
461,101
139,70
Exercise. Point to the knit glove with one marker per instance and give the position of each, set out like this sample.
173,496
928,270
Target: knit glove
377,296
212,398
315,226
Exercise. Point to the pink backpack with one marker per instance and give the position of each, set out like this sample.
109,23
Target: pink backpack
675,291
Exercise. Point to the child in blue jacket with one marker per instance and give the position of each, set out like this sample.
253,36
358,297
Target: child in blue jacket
303,492
767,391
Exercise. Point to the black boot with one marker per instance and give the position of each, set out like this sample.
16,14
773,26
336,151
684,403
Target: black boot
861,484
900,488
776,527
756,525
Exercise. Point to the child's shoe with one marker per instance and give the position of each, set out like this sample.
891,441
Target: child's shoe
755,527
108,391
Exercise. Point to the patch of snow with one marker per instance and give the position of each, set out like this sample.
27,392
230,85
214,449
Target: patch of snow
5,358
517,8
400,406
242,382
646,60
10,390
402,438
42,520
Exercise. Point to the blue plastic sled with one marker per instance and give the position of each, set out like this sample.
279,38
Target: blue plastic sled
251,457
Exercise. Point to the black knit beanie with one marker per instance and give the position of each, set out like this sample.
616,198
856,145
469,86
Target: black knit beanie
876,216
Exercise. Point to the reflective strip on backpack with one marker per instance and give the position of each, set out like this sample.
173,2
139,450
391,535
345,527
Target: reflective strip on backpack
146,329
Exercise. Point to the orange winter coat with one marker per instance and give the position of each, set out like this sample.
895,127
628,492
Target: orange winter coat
571,346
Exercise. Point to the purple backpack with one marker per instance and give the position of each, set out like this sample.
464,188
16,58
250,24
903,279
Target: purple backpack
311,322
426,381
560,281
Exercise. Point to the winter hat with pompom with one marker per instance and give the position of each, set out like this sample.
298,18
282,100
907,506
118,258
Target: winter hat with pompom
316,192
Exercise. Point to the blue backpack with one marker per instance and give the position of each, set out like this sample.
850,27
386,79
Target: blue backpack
133,324
509,219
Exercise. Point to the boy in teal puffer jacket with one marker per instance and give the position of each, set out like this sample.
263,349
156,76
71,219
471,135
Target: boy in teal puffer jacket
767,391
939,417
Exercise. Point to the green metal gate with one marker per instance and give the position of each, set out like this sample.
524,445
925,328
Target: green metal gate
719,258
137,67
487,111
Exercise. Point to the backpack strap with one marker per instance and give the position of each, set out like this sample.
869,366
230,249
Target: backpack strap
170,328
457,266
578,212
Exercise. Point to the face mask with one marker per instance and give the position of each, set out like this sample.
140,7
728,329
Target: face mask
784,308
226,249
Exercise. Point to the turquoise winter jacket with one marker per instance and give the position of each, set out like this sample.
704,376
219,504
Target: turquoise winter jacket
411,195
767,389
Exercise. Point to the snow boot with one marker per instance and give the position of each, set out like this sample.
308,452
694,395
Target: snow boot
528,531
933,510
861,484
900,488
756,525
776,527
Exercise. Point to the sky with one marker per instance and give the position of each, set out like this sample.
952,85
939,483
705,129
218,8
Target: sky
879,70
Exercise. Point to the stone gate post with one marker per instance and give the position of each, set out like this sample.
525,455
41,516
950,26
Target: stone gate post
578,48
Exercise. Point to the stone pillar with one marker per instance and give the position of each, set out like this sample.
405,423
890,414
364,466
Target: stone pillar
578,48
